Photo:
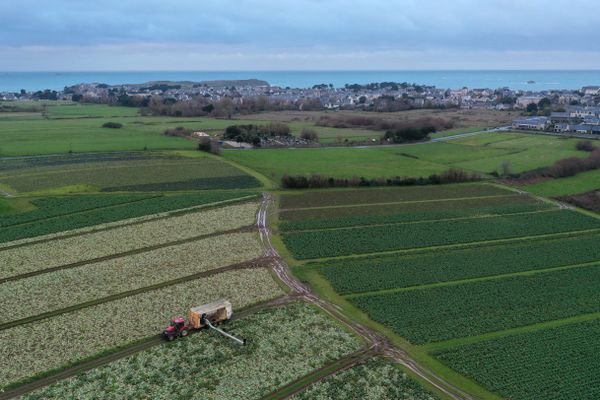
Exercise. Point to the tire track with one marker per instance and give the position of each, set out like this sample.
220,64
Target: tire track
122,352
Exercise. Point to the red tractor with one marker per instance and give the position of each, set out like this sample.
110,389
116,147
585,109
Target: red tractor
176,329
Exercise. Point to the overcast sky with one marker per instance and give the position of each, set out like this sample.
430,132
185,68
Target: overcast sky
44,35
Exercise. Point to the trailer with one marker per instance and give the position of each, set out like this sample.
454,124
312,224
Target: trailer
204,316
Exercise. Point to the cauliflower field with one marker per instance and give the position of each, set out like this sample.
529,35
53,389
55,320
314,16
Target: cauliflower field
65,339
60,251
208,366
68,287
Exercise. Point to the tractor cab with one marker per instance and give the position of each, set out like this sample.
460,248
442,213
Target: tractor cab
177,328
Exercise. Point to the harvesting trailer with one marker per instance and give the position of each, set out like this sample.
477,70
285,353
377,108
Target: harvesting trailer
205,316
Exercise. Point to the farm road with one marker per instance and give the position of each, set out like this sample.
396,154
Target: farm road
376,342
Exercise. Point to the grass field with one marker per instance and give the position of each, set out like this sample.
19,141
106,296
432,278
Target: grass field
483,153
580,183
338,162
484,309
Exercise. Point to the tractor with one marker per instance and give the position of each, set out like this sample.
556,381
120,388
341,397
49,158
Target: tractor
176,329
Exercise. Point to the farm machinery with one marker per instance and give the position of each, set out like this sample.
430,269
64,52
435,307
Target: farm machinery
205,316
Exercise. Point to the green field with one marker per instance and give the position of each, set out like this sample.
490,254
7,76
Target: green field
110,172
580,183
372,273
483,153
60,127
470,309
338,162
57,214
555,364
455,298
372,239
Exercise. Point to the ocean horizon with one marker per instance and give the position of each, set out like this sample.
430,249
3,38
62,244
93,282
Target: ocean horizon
534,80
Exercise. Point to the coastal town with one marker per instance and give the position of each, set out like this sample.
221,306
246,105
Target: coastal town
558,111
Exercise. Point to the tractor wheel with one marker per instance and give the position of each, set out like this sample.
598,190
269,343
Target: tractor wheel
184,333
170,338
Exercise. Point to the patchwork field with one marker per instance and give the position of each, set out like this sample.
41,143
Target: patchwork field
116,285
473,276
122,172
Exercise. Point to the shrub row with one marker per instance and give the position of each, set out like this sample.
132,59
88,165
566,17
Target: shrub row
321,181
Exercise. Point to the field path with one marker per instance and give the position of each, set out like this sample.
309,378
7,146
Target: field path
376,342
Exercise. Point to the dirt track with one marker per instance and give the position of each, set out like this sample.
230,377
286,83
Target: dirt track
376,342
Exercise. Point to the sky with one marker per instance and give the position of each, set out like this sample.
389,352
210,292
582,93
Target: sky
210,35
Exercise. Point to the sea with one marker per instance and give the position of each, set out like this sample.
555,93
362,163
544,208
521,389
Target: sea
534,80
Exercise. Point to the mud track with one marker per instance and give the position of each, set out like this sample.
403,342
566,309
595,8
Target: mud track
377,344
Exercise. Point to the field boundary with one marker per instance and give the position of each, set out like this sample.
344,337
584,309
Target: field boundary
434,347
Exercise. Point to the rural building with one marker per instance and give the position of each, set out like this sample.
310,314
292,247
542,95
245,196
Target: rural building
531,123
524,101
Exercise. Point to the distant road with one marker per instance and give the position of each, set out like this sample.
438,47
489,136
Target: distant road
442,139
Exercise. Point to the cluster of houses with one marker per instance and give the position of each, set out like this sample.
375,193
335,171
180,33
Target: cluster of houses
576,119
329,97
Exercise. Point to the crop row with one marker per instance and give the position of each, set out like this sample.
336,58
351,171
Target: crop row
389,195
361,220
67,338
347,241
71,159
62,251
468,309
278,352
116,174
554,364
377,379
136,206
65,288
419,208
389,272
223,182
58,206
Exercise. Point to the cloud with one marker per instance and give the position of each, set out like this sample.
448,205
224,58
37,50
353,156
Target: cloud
245,31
